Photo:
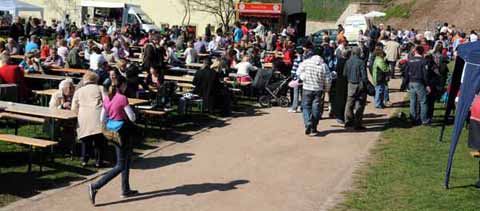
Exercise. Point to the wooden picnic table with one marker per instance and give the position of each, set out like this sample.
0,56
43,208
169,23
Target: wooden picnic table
183,70
195,65
179,78
70,70
136,60
267,65
50,92
17,57
38,111
46,77
136,101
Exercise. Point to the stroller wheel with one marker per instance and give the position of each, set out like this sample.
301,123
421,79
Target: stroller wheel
265,101
283,102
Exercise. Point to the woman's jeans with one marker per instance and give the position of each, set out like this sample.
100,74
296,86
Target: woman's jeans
123,152
296,94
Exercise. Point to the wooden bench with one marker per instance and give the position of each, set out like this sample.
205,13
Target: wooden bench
26,118
188,79
149,115
31,142
185,86
16,117
70,70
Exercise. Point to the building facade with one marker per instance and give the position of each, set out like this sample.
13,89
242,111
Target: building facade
161,11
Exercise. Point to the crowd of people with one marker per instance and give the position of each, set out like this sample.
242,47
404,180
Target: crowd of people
420,59
230,55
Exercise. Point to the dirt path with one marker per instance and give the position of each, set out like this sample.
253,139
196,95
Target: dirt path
263,162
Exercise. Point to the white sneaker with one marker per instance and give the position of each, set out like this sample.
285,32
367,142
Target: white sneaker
292,111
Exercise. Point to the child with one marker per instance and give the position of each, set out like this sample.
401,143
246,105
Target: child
296,83
44,49
29,65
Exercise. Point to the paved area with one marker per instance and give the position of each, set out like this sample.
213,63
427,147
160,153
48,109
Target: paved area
262,162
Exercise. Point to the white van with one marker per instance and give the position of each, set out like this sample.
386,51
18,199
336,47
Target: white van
121,13
353,25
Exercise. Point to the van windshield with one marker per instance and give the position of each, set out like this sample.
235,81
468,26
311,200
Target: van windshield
144,18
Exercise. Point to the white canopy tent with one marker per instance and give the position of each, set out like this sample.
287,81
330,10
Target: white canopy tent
14,7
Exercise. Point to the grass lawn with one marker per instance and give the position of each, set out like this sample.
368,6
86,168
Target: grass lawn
328,10
407,171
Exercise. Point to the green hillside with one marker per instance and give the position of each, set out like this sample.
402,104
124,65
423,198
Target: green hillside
328,10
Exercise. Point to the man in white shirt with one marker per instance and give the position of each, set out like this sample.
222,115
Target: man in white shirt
444,29
317,80
95,58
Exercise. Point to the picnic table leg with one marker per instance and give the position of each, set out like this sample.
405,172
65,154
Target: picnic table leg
30,160
16,127
52,130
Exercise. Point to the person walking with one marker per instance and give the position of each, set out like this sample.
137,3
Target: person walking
392,50
356,75
416,73
118,116
316,81
341,87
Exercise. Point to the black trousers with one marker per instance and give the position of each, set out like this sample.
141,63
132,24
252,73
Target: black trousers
94,143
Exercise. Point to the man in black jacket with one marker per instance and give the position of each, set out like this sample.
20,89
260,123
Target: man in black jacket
416,73
356,75
17,29
154,54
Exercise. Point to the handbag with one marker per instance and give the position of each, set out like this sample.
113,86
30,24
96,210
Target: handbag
293,83
114,125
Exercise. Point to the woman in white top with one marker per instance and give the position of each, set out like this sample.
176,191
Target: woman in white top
244,67
190,54
63,50
95,58
243,70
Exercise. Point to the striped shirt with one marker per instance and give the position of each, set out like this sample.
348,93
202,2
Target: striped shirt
296,63
315,74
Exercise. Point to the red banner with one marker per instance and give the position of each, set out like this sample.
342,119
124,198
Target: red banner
268,8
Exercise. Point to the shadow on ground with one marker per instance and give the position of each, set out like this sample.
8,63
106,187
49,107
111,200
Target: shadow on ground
162,161
187,190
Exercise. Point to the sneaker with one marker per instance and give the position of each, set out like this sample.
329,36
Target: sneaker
388,104
314,132
92,193
130,193
428,122
340,121
308,131
292,111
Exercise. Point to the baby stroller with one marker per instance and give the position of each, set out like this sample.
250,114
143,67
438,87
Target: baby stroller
273,89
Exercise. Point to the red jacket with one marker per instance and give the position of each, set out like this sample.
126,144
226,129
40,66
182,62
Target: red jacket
12,74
